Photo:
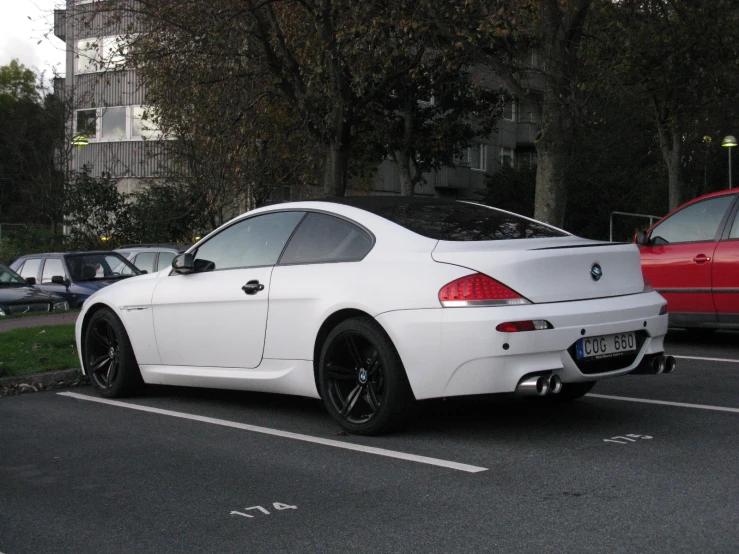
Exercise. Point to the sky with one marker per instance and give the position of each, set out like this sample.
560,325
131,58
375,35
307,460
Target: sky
26,34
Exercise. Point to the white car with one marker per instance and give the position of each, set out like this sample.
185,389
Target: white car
371,303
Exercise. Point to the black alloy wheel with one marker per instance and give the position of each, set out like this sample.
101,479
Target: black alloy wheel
362,380
109,359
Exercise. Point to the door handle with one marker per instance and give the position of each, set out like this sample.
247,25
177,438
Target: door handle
252,287
701,259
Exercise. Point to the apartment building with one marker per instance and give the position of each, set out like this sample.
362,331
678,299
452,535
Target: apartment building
107,99
109,111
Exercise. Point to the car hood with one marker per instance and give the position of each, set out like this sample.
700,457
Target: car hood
26,295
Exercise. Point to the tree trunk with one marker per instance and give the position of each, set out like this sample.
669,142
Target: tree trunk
553,152
671,146
406,174
337,155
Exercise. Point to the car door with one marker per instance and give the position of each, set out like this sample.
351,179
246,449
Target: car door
678,259
53,267
726,272
217,315
30,268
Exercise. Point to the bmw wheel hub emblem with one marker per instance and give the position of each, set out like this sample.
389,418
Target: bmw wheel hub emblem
596,272
362,376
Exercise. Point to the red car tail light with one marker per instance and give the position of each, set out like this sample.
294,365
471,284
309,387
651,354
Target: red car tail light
520,326
478,290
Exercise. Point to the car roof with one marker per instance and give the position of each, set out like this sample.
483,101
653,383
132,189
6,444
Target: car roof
148,247
104,252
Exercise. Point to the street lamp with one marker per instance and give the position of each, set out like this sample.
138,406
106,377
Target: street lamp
728,142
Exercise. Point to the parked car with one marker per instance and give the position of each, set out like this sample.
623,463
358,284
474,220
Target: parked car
74,275
691,257
371,303
18,296
150,257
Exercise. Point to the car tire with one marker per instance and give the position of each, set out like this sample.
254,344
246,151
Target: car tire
570,392
362,380
109,359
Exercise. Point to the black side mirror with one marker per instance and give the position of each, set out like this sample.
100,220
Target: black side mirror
31,280
183,263
57,280
641,238
144,272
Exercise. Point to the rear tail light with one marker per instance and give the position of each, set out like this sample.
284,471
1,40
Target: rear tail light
520,326
478,290
647,286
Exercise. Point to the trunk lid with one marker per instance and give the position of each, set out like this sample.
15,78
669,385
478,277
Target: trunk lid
551,269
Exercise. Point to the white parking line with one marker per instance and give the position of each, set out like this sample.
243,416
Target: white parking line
729,360
284,434
666,403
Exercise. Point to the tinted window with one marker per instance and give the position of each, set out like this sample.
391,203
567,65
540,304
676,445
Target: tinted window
30,268
457,221
145,261
255,241
698,222
324,238
165,260
52,267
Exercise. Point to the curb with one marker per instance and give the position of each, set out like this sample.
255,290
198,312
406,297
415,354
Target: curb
41,381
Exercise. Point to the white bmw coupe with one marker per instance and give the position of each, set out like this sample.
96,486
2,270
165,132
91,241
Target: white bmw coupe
371,303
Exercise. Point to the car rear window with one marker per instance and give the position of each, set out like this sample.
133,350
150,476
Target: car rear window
460,221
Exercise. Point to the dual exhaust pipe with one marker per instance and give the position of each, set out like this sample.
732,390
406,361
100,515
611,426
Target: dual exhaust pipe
543,385
663,364
539,385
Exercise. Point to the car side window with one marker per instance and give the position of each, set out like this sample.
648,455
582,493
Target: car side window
698,222
30,268
734,233
252,242
165,260
325,238
145,261
52,267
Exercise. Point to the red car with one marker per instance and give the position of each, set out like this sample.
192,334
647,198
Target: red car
691,257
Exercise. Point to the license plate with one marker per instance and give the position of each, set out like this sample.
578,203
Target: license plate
606,346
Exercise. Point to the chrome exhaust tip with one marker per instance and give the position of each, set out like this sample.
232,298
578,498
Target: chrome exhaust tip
537,385
670,364
555,384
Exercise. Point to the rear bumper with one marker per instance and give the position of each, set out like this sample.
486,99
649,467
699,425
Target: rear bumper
458,351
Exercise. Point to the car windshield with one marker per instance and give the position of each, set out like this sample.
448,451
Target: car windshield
97,266
9,278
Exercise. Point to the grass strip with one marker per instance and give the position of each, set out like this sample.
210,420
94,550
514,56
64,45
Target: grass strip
37,349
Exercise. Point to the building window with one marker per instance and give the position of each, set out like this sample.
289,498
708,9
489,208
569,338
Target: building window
100,54
528,117
87,55
526,160
506,157
142,125
477,156
114,123
117,123
87,123
509,110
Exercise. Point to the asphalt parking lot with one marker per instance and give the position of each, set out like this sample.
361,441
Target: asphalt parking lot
644,463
